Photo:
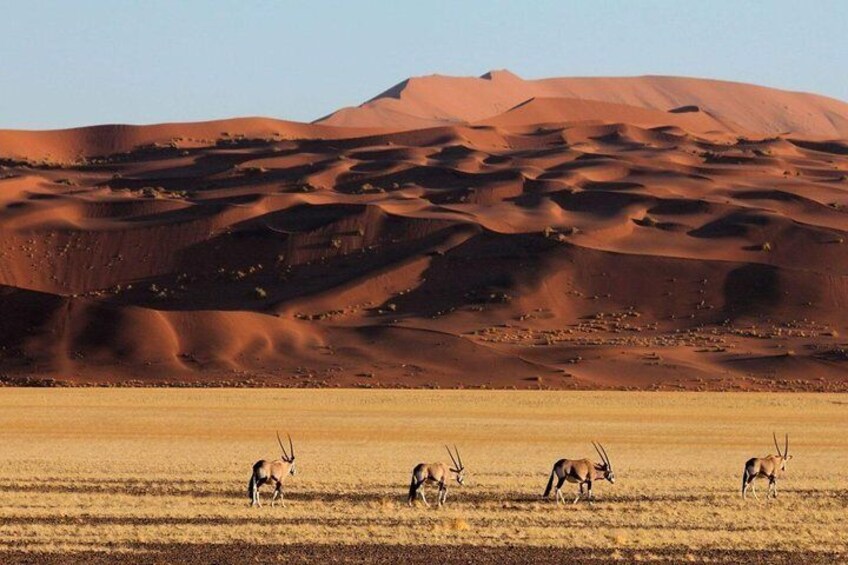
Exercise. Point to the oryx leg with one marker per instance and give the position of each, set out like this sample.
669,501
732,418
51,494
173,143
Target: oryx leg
254,492
559,495
444,494
256,498
278,494
772,487
579,494
423,498
590,495
275,494
752,486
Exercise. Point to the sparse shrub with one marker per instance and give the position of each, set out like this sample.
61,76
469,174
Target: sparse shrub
559,234
153,192
369,188
488,296
254,171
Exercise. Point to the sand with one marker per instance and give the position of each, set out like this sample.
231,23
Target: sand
653,233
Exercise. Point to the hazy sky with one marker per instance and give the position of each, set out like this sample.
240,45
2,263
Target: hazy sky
69,63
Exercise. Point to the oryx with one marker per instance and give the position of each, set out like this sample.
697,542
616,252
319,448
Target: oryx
580,471
766,468
435,473
272,472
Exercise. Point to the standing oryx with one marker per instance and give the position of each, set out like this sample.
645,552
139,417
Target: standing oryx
581,471
435,473
271,472
766,468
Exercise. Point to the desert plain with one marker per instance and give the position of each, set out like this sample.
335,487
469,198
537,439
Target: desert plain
153,476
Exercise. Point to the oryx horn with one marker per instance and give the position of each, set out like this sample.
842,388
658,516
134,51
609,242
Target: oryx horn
598,447
286,455
777,447
457,466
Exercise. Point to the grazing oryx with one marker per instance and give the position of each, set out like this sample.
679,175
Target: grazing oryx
435,473
581,471
766,468
271,472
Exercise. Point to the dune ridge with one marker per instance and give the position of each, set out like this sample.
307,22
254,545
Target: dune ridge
650,233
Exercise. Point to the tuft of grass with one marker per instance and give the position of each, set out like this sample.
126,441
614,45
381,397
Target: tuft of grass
459,525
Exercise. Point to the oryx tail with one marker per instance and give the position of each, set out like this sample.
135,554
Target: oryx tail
413,488
550,483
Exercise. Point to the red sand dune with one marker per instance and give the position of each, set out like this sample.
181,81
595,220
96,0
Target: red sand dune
72,145
439,100
566,233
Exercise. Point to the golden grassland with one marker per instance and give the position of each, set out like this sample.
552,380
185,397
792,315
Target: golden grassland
124,469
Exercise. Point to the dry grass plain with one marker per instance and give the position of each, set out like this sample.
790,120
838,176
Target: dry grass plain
160,474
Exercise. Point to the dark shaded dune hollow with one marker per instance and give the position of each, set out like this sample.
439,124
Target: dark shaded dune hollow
644,233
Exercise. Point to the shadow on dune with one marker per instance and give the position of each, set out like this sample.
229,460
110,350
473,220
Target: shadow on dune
751,288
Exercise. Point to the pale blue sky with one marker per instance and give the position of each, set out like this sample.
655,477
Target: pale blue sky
66,63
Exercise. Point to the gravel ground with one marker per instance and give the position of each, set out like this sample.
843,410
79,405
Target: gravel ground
392,554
